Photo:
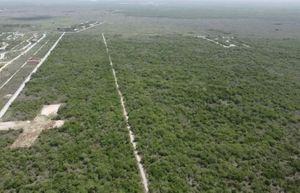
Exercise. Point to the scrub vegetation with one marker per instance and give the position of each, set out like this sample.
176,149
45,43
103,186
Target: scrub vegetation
91,153
206,118
210,119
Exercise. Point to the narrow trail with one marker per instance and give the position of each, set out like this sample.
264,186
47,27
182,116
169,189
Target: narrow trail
131,134
22,86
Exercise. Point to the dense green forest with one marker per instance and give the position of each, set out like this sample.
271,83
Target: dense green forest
210,119
91,152
206,118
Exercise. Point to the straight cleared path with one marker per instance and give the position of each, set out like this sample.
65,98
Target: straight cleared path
131,134
22,86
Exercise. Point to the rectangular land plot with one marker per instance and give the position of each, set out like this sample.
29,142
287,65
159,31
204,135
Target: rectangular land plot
16,72
91,152
210,119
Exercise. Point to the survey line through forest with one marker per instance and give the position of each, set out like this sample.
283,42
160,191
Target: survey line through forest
138,158
22,86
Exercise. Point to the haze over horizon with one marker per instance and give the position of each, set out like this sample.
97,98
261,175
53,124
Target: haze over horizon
220,2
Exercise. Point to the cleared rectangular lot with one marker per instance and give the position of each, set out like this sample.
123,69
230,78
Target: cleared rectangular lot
16,71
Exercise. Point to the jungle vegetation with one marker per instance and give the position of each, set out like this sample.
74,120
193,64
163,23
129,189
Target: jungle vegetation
91,152
210,119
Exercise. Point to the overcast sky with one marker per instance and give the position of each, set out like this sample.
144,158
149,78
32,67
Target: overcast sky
220,2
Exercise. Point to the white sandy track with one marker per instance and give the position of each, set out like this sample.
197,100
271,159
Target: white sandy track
131,134
217,43
16,94
92,26
23,53
82,30
14,48
29,43
2,55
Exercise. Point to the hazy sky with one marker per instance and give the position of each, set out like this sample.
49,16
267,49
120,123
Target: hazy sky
220,2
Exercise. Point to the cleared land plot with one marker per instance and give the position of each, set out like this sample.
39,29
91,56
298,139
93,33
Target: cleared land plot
16,44
91,152
209,119
14,74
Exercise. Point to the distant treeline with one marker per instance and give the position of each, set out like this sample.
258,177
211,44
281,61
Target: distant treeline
32,18
16,25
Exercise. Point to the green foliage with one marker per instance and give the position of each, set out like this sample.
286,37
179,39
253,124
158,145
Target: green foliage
210,119
91,152
207,119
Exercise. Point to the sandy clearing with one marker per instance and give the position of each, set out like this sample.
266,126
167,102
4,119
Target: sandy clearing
2,55
26,138
32,129
16,94
82,30
130,132
5,126
217,43
4,46
50,110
